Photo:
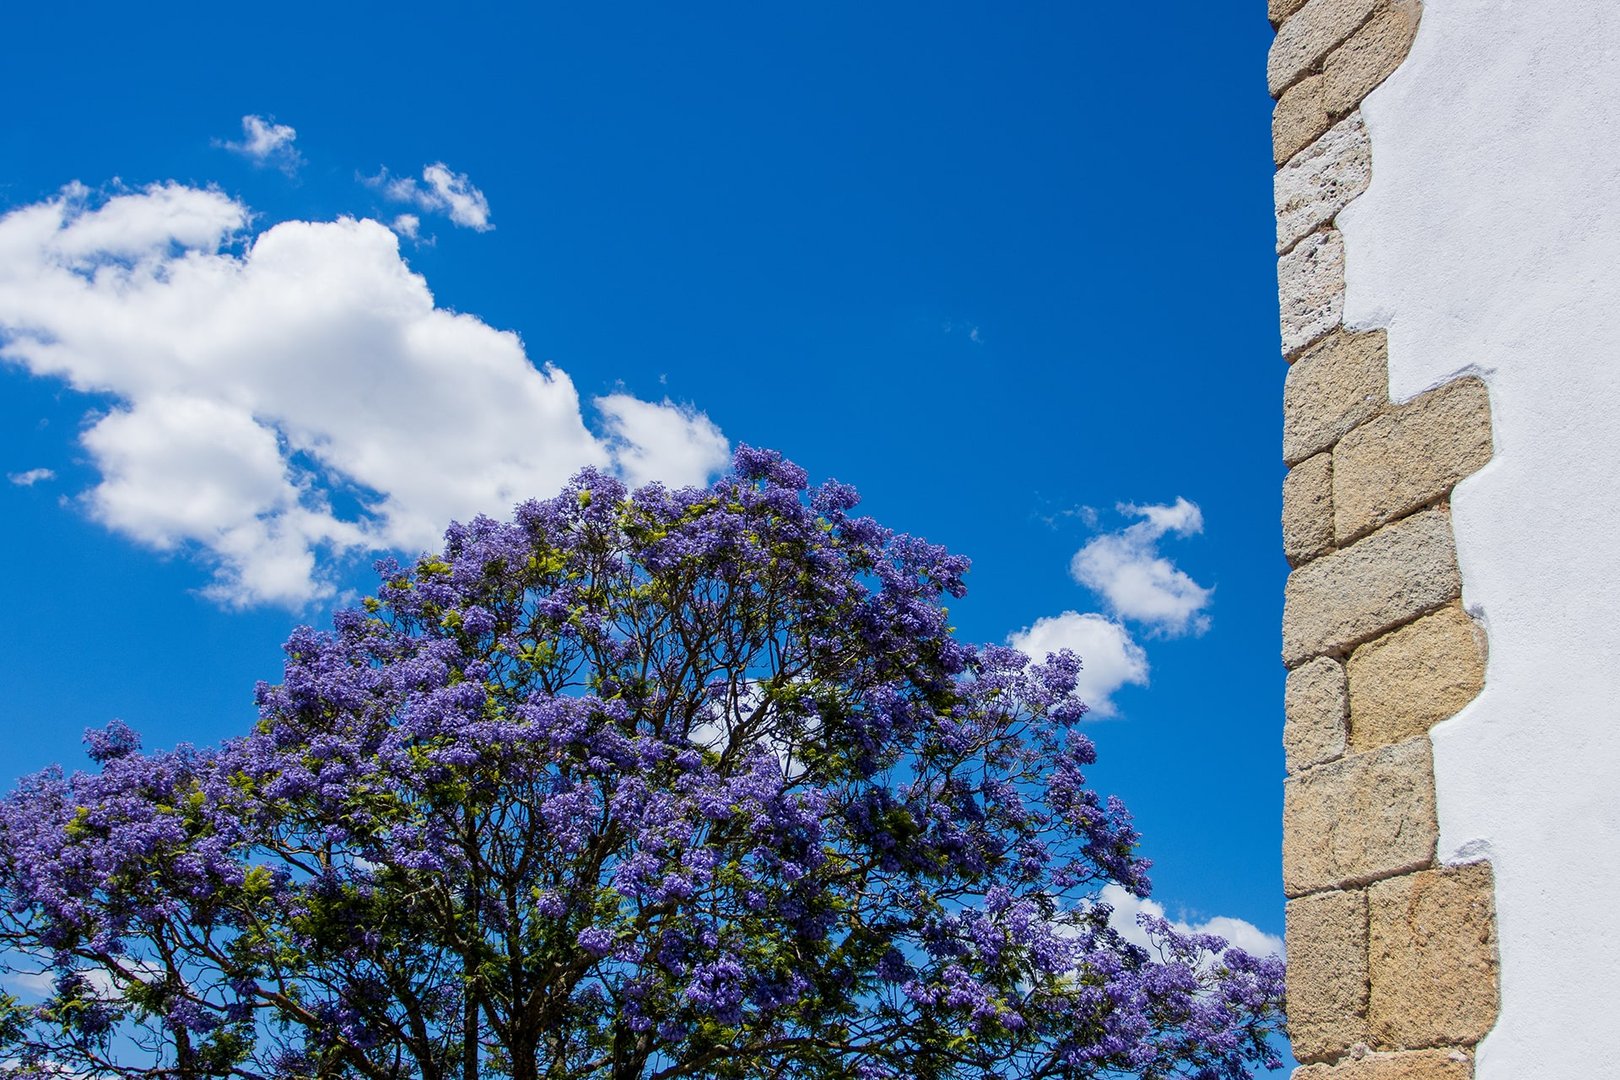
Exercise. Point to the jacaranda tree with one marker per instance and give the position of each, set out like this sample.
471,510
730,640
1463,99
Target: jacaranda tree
658,784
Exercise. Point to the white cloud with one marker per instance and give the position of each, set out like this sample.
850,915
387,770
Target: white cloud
265,142
668,442
31,477
1127,571
407,225
264,384
1109,659
441,191
1244,935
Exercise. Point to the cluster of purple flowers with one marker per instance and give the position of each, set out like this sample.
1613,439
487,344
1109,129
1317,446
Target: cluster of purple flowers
653,783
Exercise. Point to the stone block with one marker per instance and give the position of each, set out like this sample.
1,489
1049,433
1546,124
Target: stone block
1371,55
1432,960
1401,571
1309,35
1327,973
1299,118
1307,509
1412,1065
1409,456
1405,682
1336,385
1359,819
1278,10
1321,180
1315,709
1310,289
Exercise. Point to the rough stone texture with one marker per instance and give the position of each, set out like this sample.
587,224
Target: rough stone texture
1307,513
1337,385
1315,707
1405,682
1327,973
1355,68
1309,35
1279,10
1321,180
1398,573
1299,118
1365,817
1432,958
1412,1065
1310,289
1409,456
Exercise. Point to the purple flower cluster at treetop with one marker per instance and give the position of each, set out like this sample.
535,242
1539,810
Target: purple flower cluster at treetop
645,784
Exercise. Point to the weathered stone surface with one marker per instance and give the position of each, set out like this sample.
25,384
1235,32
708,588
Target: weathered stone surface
1307,513
1309,35
1310,289
1408,456
1299,118
1327,973
1332,388
1321,180
1405,682
1279,10
1411,1065
1401,571
1371,55
1365,817
1432,958
1315,709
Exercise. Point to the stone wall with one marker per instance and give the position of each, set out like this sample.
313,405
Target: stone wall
1392,956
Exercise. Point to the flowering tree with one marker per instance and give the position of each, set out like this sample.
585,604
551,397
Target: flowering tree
658,784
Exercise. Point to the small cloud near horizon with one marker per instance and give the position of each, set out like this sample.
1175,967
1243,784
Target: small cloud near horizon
1237,932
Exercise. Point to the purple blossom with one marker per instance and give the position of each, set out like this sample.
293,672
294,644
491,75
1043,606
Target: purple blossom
674,769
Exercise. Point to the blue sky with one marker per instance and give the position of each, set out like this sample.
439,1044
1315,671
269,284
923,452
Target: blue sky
279,293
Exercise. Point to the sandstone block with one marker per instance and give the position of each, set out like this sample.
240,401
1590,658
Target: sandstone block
1356,820
1310,289
1401,571
1413,1065
1307,510
1371,55
1405,682
1279,10
1409,456
1337,385
1315,707
1327,973
1299,118
1309,35
1432,958
1321,180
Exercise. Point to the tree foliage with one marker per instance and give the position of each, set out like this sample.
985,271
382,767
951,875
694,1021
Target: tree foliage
659,784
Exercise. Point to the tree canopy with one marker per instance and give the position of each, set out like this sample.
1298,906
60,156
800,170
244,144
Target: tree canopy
651,784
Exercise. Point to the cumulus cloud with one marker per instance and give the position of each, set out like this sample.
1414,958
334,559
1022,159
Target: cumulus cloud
668,442
31,477
440,191
1126,569
1109,659
1244,935
296,394
265,142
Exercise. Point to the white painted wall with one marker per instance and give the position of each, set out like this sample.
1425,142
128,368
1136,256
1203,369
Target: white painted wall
1489,242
